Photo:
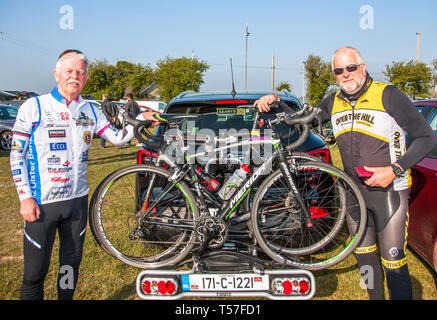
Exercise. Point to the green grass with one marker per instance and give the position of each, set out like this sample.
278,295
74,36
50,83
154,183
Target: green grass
103,277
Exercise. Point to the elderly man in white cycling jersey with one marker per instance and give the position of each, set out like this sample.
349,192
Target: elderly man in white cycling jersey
51,141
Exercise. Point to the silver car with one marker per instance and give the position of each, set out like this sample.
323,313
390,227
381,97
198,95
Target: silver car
8,114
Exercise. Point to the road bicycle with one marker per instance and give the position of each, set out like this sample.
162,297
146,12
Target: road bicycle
290,211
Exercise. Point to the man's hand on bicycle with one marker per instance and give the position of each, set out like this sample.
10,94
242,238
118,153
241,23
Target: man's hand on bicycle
264,102
147,115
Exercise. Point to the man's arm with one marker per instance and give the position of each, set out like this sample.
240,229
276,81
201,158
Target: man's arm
21,133
263,105
120,137
400,107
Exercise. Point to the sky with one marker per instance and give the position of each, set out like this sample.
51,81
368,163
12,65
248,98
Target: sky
33,33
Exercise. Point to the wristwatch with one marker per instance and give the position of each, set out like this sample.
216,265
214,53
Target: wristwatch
397,170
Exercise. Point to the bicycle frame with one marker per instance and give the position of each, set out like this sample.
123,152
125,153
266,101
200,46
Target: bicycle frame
227,207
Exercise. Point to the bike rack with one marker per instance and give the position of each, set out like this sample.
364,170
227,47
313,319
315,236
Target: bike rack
286,284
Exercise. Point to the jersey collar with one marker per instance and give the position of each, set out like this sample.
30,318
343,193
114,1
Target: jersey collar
55,94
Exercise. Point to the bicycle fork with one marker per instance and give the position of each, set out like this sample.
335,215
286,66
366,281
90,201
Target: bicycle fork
285,170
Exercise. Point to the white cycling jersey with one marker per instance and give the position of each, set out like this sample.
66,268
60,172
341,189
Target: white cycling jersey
51,143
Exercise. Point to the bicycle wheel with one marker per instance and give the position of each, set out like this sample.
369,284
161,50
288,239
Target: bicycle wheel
293,158
331,197
141,218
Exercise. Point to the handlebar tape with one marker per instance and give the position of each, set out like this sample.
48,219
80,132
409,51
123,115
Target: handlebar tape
140,132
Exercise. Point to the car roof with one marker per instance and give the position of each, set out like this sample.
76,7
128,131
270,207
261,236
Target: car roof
190,96
426,102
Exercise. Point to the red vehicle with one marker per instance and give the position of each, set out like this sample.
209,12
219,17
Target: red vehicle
422,230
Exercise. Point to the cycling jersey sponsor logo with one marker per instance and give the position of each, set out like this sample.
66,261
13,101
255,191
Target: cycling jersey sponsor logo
33,167
56,124
63,116
84,120
57,133
53,160
61,191
18,145
357,116
58,146
59,179
87,137
65,168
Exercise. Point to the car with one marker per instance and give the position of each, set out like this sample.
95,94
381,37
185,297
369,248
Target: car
225,111
155,106
422,225
15,103
8,114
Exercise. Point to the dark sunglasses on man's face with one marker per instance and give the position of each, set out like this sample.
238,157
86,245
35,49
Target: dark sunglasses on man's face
349,68
69,51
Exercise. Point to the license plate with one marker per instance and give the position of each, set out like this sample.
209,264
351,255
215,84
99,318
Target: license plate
225,282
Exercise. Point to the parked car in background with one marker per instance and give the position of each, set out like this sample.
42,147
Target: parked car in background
422,229
224,111
15,103
8,114
154,106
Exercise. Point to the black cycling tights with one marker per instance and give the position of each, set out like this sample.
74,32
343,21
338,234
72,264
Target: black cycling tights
69,218
387,226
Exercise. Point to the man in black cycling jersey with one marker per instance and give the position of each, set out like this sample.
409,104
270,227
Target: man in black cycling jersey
369,119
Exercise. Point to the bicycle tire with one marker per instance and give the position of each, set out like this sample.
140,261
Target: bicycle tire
280,230
115,217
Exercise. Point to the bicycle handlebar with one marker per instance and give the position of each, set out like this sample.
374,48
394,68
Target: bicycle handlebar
140,132
303,118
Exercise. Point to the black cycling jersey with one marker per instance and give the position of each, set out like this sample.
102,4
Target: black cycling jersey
392,108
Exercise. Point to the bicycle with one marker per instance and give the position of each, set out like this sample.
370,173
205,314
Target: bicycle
298,217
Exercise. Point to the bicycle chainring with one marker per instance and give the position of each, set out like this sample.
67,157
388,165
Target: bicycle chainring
205,225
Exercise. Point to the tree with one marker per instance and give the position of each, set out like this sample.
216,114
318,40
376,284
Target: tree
117,80
283,85
174,76
98,80
319,78
414,79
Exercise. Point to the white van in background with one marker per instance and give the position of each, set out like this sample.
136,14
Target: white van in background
157,106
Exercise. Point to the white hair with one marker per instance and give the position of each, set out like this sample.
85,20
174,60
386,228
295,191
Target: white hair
81,56
355,51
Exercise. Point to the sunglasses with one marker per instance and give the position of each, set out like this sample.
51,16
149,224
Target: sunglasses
349,68
69,51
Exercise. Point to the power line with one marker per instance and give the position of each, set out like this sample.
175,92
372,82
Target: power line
23,43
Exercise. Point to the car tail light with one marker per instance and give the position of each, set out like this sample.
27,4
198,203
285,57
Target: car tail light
145,156
156,286
322,153
290,286
317,212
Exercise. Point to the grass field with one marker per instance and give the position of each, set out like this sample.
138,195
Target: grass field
103,277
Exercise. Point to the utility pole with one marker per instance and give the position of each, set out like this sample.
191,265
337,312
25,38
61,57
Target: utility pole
418,47
245,64
273,72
